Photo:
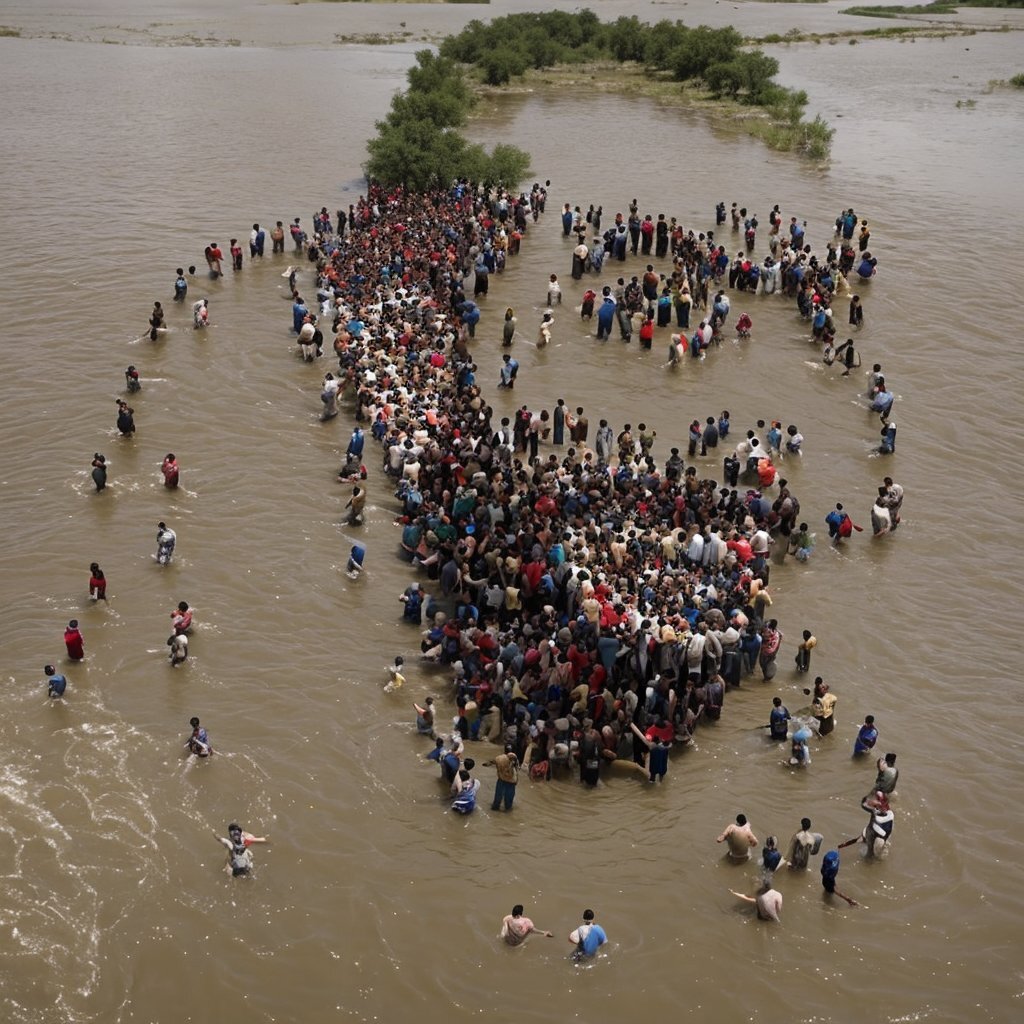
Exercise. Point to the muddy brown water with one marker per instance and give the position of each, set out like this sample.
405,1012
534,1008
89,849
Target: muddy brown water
372,903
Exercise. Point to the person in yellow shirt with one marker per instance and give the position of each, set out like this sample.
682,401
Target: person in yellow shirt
803,651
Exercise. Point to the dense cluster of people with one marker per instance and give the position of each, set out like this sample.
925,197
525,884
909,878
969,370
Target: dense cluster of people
592,607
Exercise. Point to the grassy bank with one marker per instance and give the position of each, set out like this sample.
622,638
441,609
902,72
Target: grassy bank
935,7
853,35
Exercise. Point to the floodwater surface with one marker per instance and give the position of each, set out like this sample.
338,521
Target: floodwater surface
372,902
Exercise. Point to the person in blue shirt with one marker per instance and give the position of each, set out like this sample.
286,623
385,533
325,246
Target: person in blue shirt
605,316
56,683
589,937
355,444
829,872
866,738
778,724
509,370
464,789
198,742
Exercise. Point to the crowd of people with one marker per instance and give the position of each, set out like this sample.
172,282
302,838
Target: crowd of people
592,606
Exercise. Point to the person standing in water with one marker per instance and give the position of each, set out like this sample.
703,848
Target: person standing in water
178,653
166,538
181,618
823,706
867,737
169,468
888,775
198,742
877,833
180,285
99,471
508,331
803,651
829,873
588,937
97,583
125,418
778,720
74,641
237,844
740,837
56,682
515,927
768,902
803,846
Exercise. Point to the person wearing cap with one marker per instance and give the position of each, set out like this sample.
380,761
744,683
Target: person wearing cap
237,844
507,768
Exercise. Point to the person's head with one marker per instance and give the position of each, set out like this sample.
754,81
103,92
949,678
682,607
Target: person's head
807,634
179,271
777,702
517,910
805,823
235,831
169,456
161,525
741,819
183,606
50,670
869,720
890,760
73,624
770,843
588,915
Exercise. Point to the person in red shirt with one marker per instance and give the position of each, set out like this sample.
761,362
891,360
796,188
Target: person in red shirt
214,256
236,255
74,642
661,730
97,583
169,468
181,618
647,332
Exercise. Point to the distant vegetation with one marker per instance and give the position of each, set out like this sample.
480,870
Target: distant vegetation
418,144
1017,81
715,60
935,7
11,33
